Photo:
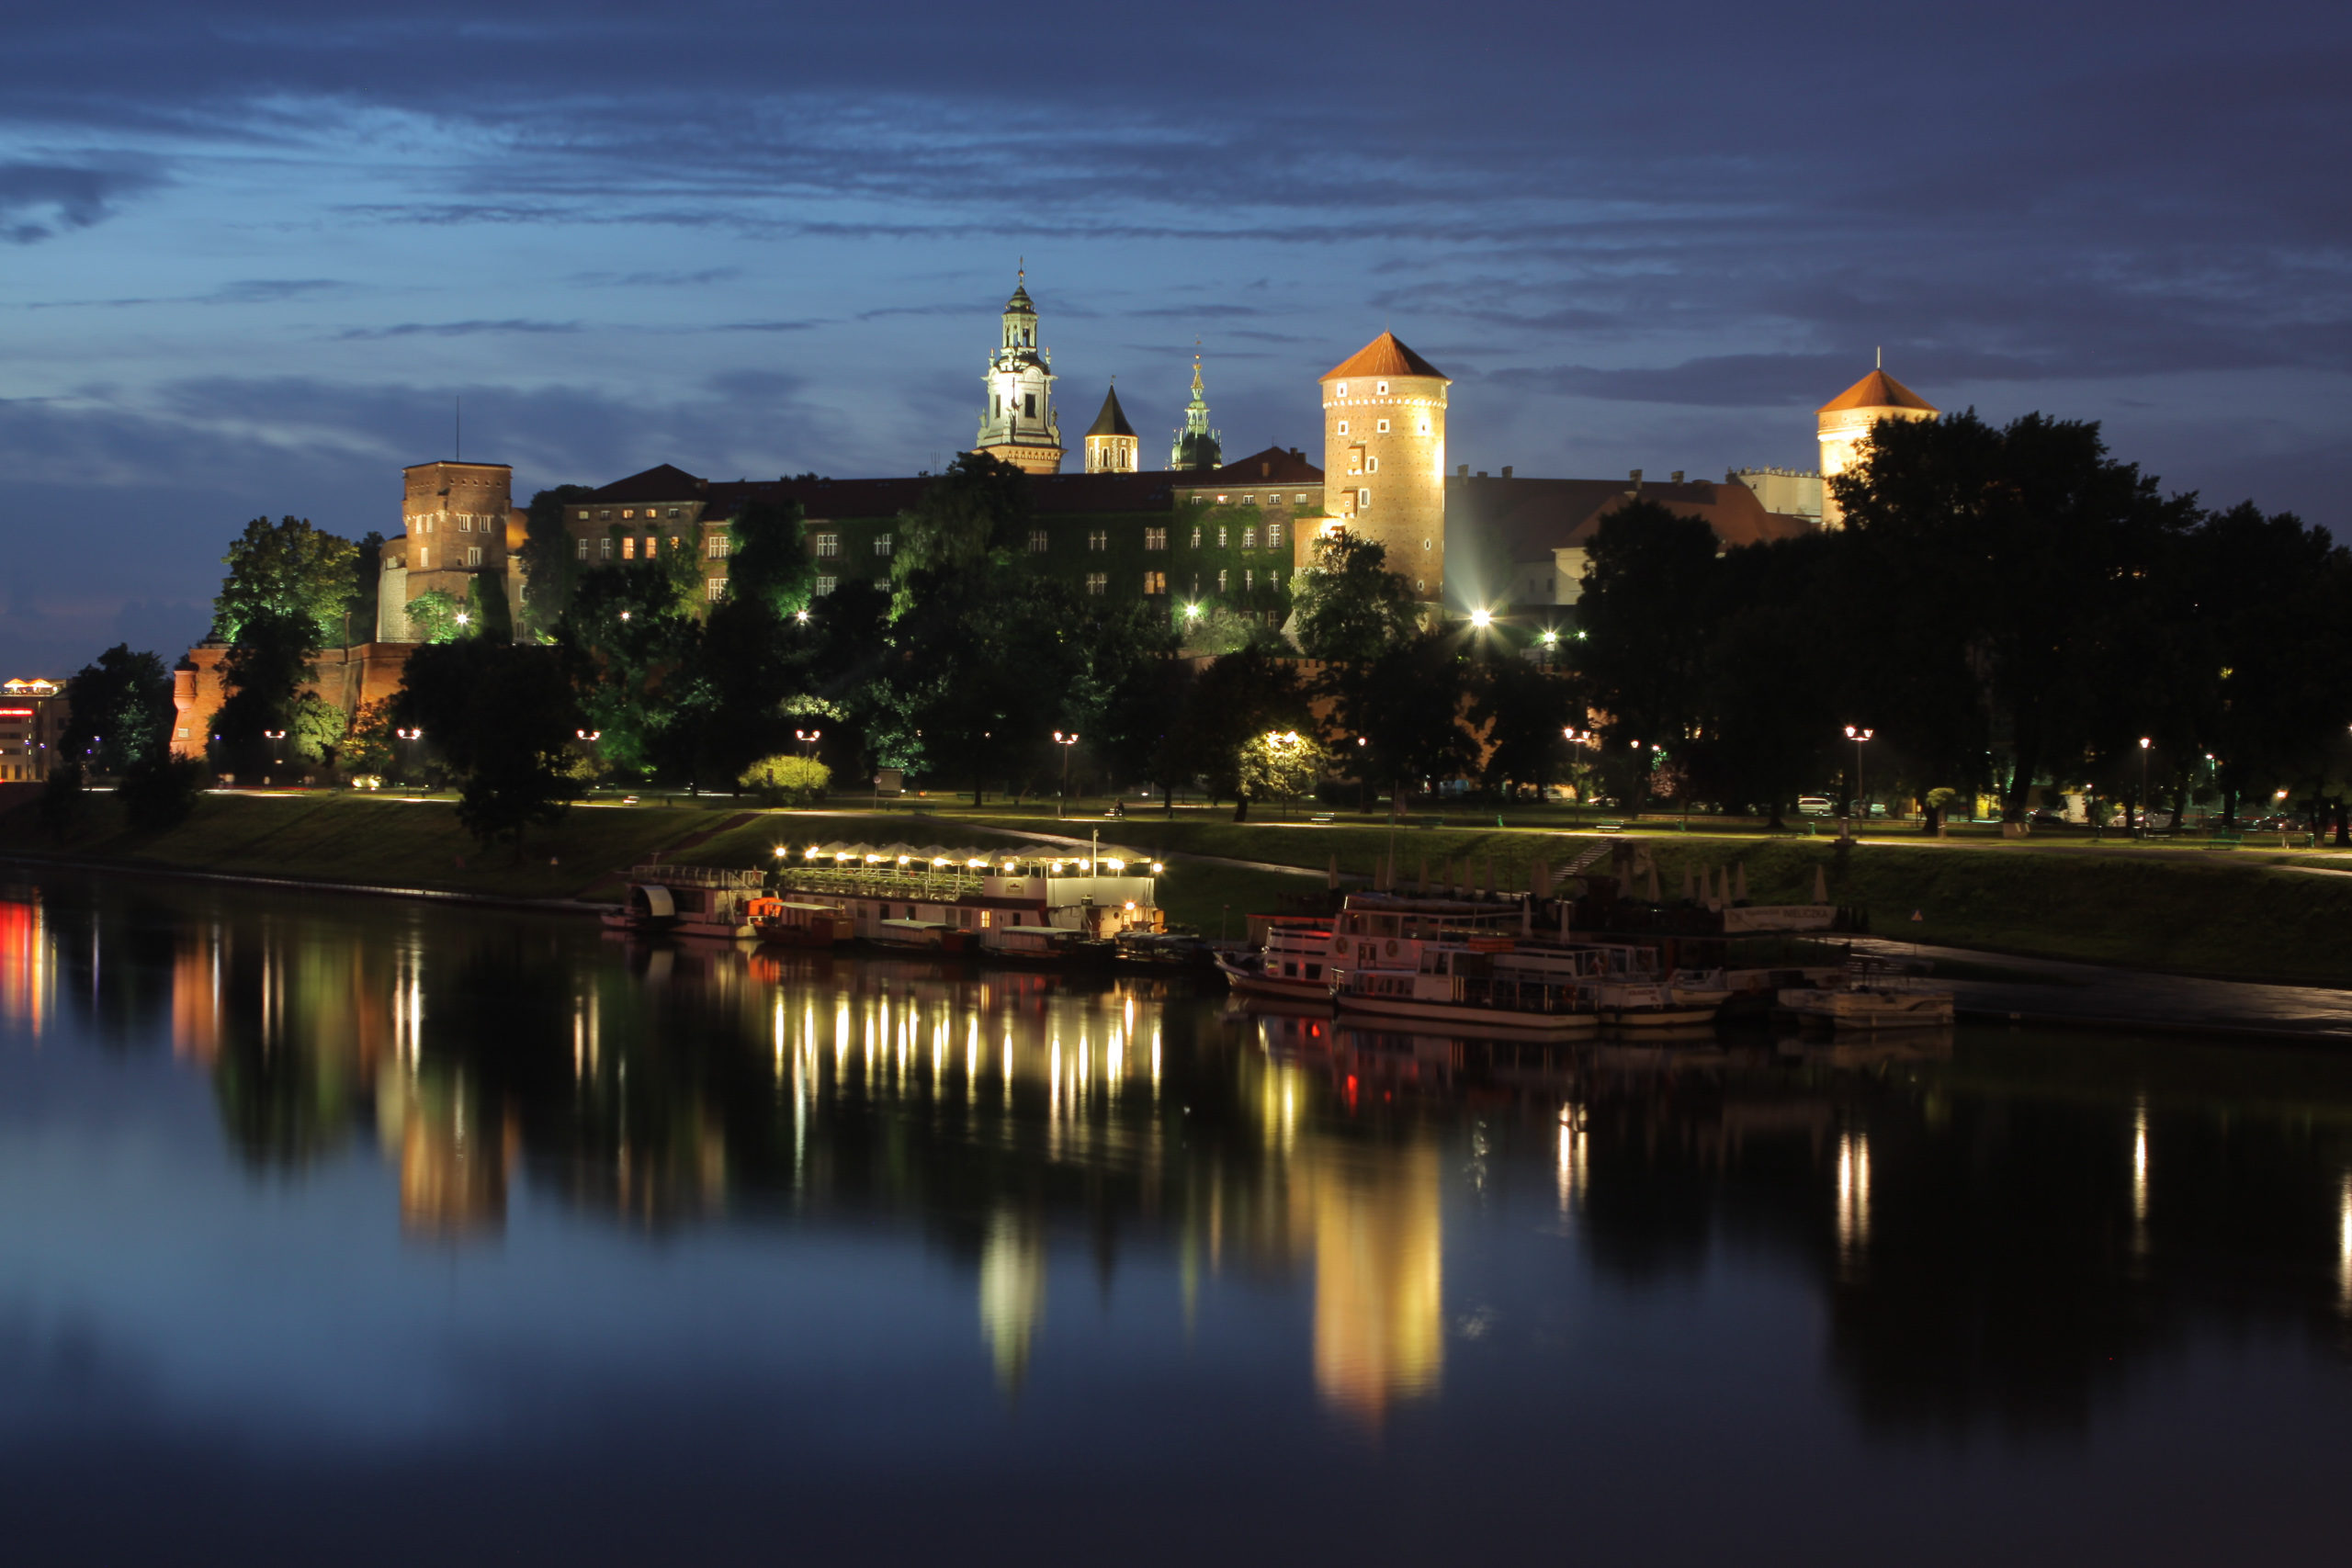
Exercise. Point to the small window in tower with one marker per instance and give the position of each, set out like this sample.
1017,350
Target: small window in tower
473,555
1363,500
1380,427
1372,464
1097,538
1343,427
1028,405
1037,541
1424,427
1343,393
1382,390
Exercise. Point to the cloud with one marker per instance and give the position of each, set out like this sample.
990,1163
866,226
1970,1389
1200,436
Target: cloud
452,329
38,200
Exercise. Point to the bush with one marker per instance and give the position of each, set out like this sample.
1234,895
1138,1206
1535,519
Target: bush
787,781
159,792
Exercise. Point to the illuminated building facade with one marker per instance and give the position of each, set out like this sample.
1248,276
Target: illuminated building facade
1846,421
33,715
1112,446
1383,448
1018,424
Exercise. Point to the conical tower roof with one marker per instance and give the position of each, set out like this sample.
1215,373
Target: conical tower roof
1113,420
1878,391
1385,355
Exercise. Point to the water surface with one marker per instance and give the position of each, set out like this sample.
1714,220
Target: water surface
354,1230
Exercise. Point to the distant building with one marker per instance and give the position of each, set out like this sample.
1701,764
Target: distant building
458,524
1791,493
1018,426
1112,446
1846,421
33,716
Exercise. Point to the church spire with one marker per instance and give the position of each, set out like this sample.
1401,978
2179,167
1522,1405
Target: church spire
1018,424
1197,445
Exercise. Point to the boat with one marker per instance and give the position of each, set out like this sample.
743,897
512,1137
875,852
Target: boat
798,922
931,936
1624,983
648,909
1877,994
1463,988
1294,963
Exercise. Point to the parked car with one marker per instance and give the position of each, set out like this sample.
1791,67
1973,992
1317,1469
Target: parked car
1814,806
2047,818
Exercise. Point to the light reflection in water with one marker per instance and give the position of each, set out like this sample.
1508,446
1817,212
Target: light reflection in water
1853,1195
2344,1245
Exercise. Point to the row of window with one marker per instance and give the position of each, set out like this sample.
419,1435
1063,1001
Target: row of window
719,547
425,556
466,521
1380,427
1098,583
604,514
1202,499
1156,537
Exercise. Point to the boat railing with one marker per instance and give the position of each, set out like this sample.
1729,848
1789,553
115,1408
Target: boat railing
723,878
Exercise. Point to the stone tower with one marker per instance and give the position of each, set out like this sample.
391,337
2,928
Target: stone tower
1018,424
1846,421
456,521
1112,446
1197,446
1383,456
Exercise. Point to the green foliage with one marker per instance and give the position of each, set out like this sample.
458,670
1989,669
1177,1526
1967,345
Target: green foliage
285,570
1238,699
314,727
432,617
264,671
159,791
503,716
546,559
630,638
119,709
973,513
368,745
1349,606
769,564
1522,710
1408,705
786,780
487,612
1214,627
64,800
366,578
1279,765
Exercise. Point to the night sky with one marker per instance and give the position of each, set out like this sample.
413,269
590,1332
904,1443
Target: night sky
254,250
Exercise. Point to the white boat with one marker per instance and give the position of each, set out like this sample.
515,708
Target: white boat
1875,995
1464,990
1294,965
1626,988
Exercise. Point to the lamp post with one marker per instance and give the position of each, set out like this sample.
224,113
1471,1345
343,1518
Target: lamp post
2145,741
1861,802
807,738
276,749
1065,742
409,737
1580,738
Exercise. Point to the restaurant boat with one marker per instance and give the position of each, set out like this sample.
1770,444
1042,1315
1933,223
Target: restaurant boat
688,900
1467,989
1292,960
1023,905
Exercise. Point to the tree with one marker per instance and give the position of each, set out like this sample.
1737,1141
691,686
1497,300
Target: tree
487,612
548,560
786,780
264,672
973,512
503,717
627,634
768,566
1239,698
367,580
1348,607
1280,766
1647,612
158,791
286,569
119,709
368,746
432,617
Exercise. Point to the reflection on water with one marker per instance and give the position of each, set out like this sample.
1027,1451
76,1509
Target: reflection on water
1093,1158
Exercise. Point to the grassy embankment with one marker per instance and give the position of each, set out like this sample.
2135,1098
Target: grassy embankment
2226,913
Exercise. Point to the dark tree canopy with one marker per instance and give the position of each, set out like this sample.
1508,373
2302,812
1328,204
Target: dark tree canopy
501,715
119,709
286,569
1348,606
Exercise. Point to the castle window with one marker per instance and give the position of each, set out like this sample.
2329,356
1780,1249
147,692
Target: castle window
1381,390
1424,427
604,549
828,545
583,549
1249,500
1220,535
628,512
1274,536
1155,538
1372,464
1248,580
1343,427
1363,500
473,555
881,544
674,512
1250,535
1097,584
1380,427
584,516
827,584
1221,576
1097,538
1300,500
1343,393
603,514
1153,583
715,589
651,540
1037,541
718,546
1029,405
629,548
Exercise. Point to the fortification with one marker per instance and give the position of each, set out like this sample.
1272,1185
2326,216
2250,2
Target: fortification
1383,456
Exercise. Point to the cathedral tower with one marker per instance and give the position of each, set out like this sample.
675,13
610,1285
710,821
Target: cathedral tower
1018,424
1846,421
1197,446
1383,456
1112,446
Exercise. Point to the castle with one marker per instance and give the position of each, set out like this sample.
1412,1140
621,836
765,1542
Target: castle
1201,532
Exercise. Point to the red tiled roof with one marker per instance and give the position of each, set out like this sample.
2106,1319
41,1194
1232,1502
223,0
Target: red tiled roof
1276,465
1383,355
1878,391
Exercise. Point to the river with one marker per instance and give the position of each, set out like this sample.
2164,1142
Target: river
344,1229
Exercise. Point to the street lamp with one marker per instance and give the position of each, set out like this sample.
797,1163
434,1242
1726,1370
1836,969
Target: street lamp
277,751
1481,619
1065,742
409,737
2145,741
1861,801
807,738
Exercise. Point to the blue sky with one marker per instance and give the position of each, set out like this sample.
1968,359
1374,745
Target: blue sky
251,251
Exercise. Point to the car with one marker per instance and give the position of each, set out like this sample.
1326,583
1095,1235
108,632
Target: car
2047,818
1812,805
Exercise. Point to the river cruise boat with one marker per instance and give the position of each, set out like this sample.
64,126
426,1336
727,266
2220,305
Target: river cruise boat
1877,994
1023,905
1292,961
1389,929
1464,989
689,901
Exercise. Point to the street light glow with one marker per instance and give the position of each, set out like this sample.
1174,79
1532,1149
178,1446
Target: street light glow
1482,618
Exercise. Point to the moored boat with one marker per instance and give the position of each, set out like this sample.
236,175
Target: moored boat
1295,963
1464,989
1876,995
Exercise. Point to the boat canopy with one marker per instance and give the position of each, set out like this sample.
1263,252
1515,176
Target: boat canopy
652,898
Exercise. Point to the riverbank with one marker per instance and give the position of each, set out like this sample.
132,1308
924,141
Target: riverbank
2238,915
